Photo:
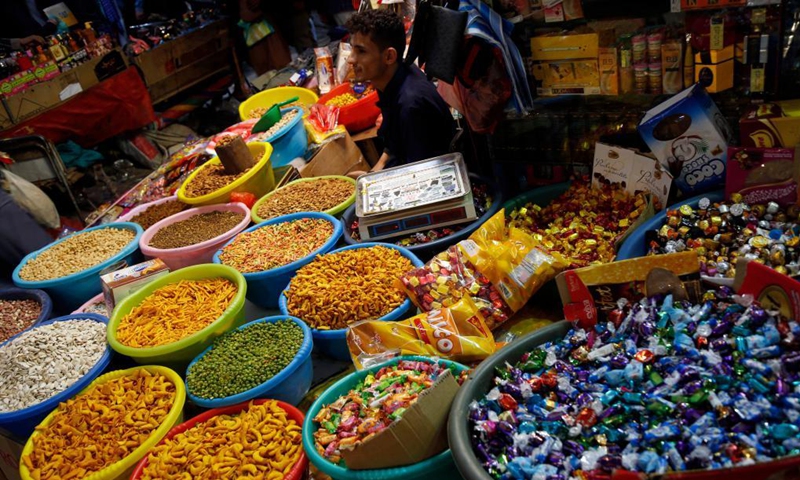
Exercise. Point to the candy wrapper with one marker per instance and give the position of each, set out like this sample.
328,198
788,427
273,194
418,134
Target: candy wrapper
762,175
457,333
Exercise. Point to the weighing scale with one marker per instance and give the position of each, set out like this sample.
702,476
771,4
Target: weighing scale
420,196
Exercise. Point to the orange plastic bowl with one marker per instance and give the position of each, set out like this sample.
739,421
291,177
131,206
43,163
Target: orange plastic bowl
358,116
296,473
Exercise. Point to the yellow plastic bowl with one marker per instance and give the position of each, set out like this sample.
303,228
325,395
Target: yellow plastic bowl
270,97
335,211
123,468
258,180
180,353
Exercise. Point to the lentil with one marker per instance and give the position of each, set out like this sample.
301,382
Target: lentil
101,426
45,361
337,289
156,213
276,245
195,229
306,196
175,311
16,316
211,178
260,442
342,100
76,253
244,359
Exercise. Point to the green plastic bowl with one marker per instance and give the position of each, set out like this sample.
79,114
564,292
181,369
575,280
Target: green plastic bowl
182,352
541,196
439,467
335,211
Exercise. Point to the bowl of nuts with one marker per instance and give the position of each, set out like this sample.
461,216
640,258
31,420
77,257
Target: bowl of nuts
330,194
357,110
21,309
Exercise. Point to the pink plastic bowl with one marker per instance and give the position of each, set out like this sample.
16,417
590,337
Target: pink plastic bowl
202,252
141,208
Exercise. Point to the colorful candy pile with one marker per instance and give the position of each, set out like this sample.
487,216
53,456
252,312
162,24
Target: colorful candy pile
664,387
721,233
371,406
583,223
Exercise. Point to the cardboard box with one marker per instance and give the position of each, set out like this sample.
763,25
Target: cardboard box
634,171
609,71
706,4
10,453
689,136
714,69
578,73
337,157
122,283
763,175
767,126
565,47
425,419
773,290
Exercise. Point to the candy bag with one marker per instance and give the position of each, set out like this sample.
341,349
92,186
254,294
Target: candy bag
457,333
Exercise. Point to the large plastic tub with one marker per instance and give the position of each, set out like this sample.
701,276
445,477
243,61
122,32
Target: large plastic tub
203,252
71,291
289,385
357,116
123,468
480,382
333,343
541,196
426,251
141,208
297,472
290,142
39,296
439,467
264,288
335,211
96,299
182,352
268,98
22,422
258,180
635,245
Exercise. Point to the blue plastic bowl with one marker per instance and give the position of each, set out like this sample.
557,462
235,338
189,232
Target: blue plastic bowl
70,292
333,343
426,251
635,245
290,385
289,142
439,467
39,296
22,422
264,288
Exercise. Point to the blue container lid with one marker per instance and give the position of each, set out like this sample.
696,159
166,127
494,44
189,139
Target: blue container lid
302,355
13,420
64,281
277,271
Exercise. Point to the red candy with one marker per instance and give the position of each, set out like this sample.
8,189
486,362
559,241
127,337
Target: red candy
507,402
587,417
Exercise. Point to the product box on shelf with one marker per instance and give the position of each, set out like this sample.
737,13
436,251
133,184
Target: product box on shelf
634,171
566,64
122,283
764,174
706,4
714,69
689,135
609,71
769,126
565,47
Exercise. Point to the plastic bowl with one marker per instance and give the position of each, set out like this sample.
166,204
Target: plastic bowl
290,142
439,466
97,298
426,251
258,180
289,385
182,352
22,422
333,343
270,97
480,381
635,245
123,468
357,116
69,292
264,288
141,208
541,196
335,211
203,252
297,472
39,296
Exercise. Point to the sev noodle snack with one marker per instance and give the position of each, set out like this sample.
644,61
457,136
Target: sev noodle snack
175,311
100,427
260,442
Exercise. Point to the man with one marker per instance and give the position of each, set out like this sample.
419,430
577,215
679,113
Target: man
417,123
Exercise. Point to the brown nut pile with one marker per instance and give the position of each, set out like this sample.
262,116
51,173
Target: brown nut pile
210,179
306,196
156,213
340,288
16,316
195,229
76,253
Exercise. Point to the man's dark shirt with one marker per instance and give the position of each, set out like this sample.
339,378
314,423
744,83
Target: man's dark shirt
417,123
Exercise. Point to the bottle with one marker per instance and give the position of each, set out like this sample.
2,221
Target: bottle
73,45
688,63
89,34
55,49
625,64
41,57
23,61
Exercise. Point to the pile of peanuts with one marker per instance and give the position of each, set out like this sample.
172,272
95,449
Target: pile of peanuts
210,179
76,253
306,196
16,316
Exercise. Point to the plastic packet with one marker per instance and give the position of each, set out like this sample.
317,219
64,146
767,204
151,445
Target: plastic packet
344,71
324,69
457,333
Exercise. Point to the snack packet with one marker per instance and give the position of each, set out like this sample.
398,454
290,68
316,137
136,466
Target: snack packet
344,71
324,69
457,332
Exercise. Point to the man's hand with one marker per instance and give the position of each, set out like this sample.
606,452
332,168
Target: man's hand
356,173
31,41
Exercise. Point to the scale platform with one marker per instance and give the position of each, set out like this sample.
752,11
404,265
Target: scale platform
403,200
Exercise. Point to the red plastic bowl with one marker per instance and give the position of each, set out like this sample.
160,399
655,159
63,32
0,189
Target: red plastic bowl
358,116
296,473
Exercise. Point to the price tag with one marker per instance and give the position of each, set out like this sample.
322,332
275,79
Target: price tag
717,33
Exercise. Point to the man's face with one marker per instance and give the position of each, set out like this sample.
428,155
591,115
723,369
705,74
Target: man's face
367,59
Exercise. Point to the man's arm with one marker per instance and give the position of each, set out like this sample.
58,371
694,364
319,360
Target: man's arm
379,165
